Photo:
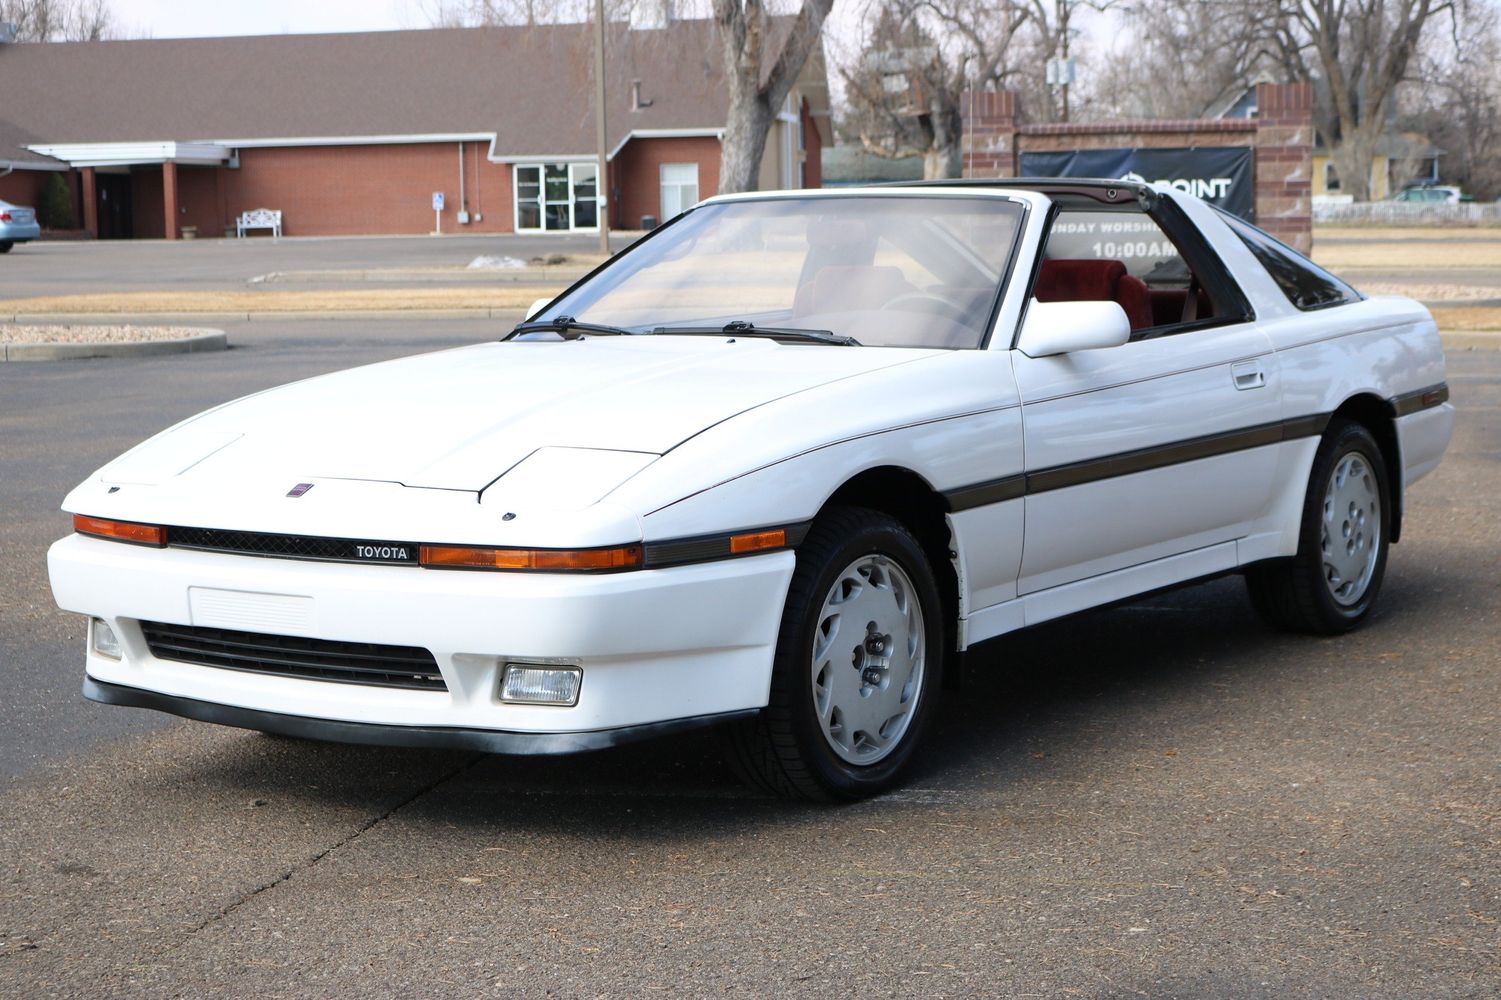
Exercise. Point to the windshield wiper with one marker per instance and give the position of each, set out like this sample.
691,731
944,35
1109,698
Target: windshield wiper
568,328
744,328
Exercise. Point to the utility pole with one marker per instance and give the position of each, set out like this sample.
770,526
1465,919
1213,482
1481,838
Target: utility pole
1063,33
602,181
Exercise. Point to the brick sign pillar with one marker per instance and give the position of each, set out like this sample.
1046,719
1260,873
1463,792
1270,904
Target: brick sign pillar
1281,137
989,142
1284,162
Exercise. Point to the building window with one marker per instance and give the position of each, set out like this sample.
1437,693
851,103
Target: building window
1331,178
556,197
679,188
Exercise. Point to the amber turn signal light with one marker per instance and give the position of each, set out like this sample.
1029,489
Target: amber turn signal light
755,541
541,560
120,531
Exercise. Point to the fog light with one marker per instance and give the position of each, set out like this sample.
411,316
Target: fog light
528,684
104,640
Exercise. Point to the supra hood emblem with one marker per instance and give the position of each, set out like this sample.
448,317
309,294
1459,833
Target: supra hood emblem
299,489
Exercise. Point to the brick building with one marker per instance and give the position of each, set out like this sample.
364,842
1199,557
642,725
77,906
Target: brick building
353,133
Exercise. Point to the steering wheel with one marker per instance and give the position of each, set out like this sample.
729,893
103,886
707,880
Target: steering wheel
927,302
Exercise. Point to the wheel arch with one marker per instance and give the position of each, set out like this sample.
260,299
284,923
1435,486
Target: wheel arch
1378,416
912,500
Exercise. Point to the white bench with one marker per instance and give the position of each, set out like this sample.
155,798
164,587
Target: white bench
259,218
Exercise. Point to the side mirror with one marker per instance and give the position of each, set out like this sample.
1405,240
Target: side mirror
1063,327
535,308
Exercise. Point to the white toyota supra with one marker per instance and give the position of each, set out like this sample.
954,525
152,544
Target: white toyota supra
771,468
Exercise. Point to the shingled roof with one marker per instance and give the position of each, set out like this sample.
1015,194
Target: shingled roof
529,86
13,151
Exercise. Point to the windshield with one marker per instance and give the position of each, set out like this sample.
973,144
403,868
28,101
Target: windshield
890,271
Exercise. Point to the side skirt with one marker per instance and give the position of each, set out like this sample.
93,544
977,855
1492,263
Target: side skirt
1101,591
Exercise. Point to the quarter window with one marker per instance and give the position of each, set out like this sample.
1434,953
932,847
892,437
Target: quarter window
1306,285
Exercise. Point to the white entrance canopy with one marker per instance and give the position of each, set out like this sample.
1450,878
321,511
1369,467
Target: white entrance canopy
116,154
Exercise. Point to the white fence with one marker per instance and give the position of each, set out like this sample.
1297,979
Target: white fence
1397,213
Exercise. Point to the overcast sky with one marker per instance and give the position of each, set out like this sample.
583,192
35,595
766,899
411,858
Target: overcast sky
188,18
194,18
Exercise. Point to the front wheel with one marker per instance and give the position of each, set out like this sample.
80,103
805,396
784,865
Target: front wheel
5,246
1330,586
857,665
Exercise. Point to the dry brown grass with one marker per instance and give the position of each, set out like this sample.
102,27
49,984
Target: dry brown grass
1398,254
1467,318
1396,234
356,300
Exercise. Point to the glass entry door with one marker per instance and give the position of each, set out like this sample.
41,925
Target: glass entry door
557,197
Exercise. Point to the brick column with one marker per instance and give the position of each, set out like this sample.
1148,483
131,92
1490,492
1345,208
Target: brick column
90,204
989,146
1284,162
169,198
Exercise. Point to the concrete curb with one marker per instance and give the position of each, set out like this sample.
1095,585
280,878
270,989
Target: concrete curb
208,340
560,277
1460,303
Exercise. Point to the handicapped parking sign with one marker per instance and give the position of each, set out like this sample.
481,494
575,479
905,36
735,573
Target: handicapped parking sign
437,201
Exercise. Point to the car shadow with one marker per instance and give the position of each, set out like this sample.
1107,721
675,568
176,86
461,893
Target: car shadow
1045,692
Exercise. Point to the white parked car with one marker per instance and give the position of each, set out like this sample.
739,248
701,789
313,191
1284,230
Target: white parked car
1432,194
771,468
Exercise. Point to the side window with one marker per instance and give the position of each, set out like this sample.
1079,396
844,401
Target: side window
1122,255
1305,284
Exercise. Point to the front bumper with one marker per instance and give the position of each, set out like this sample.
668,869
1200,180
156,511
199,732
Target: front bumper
655,646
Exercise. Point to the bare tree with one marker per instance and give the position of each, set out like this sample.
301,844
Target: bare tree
1051,30
518,13
906,92
1175,58
1358,53
59,20
759,79
1457,103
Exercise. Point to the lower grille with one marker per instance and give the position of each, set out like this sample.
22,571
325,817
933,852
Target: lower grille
290,656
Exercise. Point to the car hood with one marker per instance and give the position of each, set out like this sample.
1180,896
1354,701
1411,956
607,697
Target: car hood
460,419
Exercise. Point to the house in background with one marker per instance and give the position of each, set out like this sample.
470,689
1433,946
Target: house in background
1400,159
350,134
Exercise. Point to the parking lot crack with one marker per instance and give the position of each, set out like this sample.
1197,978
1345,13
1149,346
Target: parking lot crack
312,861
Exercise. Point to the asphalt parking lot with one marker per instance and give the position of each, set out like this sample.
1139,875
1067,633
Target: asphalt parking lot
1163,799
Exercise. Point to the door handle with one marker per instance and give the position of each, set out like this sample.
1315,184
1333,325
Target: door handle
1248,375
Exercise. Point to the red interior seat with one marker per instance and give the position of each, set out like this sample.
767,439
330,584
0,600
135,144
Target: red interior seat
1096,281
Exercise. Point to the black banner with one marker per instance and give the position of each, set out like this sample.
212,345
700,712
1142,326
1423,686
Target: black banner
1220,175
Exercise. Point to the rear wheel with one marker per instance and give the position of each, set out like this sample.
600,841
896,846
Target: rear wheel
857,664
5,246
1331,584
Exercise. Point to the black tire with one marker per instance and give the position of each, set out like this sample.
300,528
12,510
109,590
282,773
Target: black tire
1294,594
5,246
784,749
